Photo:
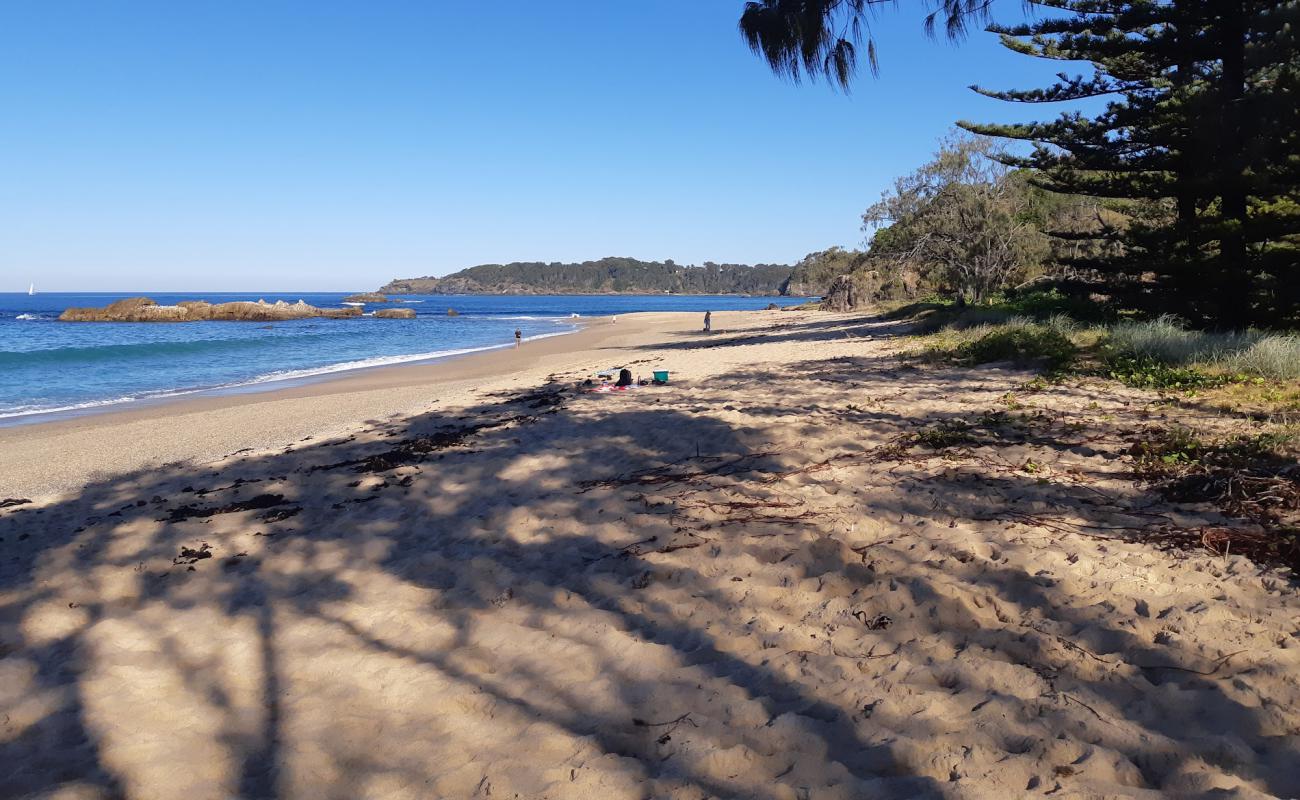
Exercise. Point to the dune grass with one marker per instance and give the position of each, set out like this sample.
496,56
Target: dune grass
1053,342
1254,353
1059,332
934,313
1021,341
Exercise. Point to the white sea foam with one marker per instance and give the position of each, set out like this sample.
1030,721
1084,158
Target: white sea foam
526,318
262,382
31,316
363,363
23,411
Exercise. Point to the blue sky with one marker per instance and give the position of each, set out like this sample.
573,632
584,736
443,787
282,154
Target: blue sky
330,145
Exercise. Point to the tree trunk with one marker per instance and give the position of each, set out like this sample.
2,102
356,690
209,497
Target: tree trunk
1189,282
1235,274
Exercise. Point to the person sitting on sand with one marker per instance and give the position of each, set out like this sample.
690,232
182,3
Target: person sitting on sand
708,321
624,377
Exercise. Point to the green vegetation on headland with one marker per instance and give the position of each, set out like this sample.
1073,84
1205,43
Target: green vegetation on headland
606,276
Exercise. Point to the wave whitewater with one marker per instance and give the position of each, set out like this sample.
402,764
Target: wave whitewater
190,347
262,381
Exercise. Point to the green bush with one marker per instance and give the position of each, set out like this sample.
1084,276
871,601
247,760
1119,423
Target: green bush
1043,304
1021,342
1148,373
1051,307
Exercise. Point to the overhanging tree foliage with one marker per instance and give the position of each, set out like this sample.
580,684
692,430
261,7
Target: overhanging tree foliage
966,223
962,224
821,38
964,214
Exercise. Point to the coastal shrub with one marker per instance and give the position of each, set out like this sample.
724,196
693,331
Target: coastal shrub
1061,312
1044,304
1148,373
1021,341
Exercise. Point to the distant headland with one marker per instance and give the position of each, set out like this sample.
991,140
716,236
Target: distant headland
605,276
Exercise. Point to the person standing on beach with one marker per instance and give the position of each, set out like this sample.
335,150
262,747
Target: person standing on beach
519,337
708,321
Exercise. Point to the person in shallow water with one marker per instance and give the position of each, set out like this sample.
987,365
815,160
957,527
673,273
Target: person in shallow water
519,337
708,321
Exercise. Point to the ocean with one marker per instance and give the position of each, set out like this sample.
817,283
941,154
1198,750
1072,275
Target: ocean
49,367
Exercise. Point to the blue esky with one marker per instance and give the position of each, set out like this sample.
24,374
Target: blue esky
331,145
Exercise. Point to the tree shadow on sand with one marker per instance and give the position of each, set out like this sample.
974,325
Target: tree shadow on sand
561,594
838,327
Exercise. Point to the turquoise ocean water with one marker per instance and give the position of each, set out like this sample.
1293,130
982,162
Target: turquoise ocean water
58,367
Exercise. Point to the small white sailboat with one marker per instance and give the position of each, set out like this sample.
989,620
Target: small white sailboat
31,289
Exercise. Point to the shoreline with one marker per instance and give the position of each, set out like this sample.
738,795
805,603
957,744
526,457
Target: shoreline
306,376
49,456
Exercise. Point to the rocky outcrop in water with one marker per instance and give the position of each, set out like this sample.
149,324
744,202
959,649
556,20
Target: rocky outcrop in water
144,309
366,297
396,313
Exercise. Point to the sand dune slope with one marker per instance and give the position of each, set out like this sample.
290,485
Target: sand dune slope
756,582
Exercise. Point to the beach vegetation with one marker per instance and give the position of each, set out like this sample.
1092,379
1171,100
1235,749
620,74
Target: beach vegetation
1148,373
1176,194
962,222
949,433
1192,148
1167,340
1019,340
1160,354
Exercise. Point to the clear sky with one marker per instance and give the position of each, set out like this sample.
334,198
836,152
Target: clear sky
267,145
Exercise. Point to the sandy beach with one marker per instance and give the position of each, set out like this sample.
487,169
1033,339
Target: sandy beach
772,578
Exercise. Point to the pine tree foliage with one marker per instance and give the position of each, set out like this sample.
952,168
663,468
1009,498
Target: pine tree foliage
822,38
1196,150
1198,136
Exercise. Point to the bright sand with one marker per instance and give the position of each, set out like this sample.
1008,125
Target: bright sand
471,583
